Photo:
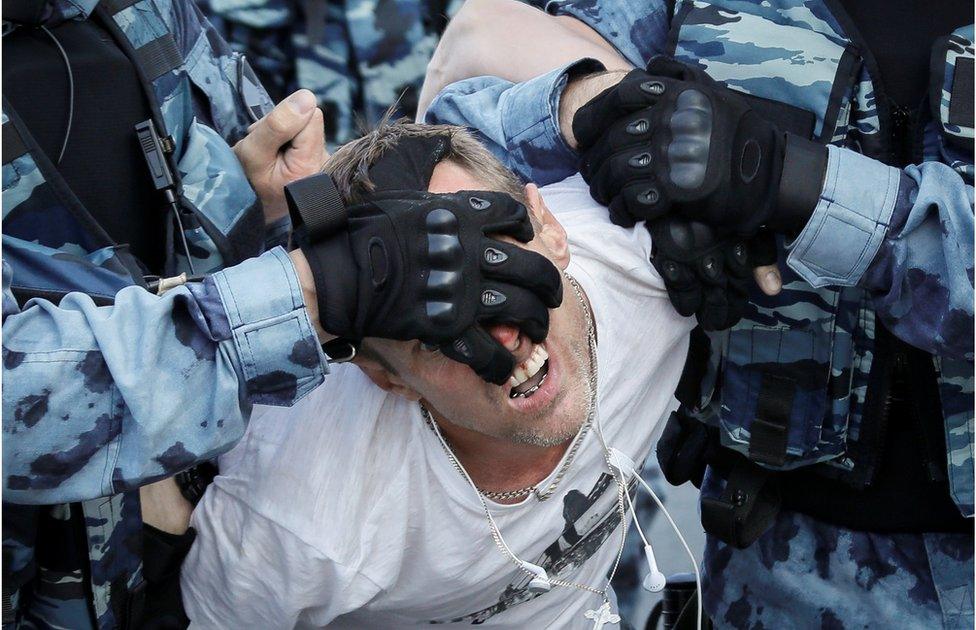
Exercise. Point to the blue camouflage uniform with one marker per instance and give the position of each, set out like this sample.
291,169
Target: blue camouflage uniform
107,386
359,57
883,244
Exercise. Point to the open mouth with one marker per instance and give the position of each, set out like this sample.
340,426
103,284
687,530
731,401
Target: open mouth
530,374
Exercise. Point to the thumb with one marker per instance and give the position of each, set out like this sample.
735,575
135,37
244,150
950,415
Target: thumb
266,137
768,279
307,153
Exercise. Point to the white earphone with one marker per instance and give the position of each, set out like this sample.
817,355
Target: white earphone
540,583
655,580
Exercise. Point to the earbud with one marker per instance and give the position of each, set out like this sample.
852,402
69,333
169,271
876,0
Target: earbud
540,583
619,460
655,580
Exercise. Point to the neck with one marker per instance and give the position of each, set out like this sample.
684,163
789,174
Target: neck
499,465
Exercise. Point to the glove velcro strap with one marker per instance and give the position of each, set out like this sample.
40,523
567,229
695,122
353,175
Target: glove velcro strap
315,204
804,167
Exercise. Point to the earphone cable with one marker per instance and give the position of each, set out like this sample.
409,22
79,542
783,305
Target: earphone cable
684,543
71,92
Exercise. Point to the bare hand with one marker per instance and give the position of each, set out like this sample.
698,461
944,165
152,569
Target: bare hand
285,145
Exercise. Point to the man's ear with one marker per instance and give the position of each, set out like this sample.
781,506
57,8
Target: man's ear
385,379
548,229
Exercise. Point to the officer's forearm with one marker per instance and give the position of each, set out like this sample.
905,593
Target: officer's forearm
579,92
534,43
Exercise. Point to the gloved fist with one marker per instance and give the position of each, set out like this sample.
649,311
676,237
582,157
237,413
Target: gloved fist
672,139
705,275
418,265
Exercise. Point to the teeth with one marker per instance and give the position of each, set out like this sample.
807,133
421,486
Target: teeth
531,390
530,367
521,375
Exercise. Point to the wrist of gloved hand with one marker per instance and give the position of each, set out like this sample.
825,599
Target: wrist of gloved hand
804,169
335,274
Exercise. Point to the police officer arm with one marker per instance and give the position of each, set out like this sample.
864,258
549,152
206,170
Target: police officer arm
904,235
99,399
670,141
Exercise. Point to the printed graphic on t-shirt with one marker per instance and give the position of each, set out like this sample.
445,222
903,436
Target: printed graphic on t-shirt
589,520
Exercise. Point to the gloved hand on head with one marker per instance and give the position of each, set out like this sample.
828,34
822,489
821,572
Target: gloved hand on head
671,140
417,265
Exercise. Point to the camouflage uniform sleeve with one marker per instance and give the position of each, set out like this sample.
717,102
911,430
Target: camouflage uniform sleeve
519,122
905,236
638,29
98,400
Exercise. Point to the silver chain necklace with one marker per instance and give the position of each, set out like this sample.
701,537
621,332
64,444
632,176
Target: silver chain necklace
603,613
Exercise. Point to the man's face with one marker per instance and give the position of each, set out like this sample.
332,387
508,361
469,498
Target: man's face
547,416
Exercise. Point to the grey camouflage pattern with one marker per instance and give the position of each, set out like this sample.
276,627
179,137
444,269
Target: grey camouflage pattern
72,388
359,57
803,573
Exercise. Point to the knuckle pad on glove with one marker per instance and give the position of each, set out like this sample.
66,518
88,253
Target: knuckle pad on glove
509,304
513,264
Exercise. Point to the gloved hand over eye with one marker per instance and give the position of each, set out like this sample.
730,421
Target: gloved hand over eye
705,275
418,265
672,139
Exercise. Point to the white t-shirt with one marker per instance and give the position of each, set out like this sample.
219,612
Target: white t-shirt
345,509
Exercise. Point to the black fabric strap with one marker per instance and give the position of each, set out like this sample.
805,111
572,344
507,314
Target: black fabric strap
769,430
746,508
159,56
804,169
13,144
788,118
114,6
961,99
317,205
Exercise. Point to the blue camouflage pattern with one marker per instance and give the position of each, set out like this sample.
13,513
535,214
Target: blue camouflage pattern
108,387
920,282
806,574
358,57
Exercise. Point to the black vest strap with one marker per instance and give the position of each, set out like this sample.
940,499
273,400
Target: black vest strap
159,56
961,100
770,429
114,6
13,143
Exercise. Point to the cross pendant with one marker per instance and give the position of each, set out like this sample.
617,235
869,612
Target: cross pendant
602,616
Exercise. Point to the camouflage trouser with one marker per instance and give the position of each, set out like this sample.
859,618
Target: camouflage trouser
804,573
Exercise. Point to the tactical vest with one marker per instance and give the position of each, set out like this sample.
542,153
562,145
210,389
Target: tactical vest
810,350
199,93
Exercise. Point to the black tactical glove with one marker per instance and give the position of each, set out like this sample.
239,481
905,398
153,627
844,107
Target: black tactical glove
672,139
706,275
418,265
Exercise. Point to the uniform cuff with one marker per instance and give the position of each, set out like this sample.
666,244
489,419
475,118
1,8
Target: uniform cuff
278,350
530,113
849,223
